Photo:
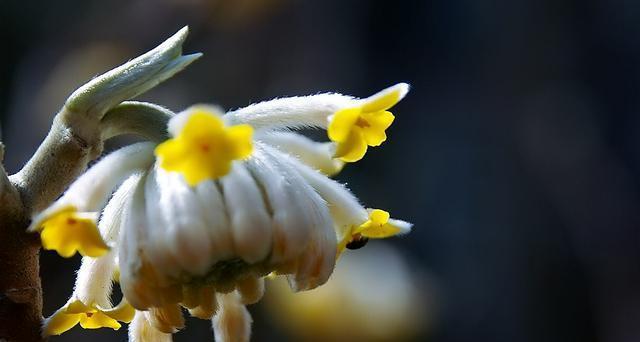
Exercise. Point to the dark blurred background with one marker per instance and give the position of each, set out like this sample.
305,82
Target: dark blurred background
516,153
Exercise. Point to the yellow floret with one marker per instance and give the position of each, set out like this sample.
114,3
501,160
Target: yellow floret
89,317
354,129
205,148
68,231
376,227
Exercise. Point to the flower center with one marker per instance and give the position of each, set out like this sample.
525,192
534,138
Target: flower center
362,123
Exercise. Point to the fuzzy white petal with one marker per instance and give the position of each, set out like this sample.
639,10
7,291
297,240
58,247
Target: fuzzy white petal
157,250
290,112
94,280
318,260
404,226
186,234
138,281
90,192
318,155
232,322
291,222
141,331
214,215
249,218
343,205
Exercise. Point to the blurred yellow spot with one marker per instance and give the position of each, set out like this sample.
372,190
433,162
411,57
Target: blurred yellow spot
205,148
69,231
354,129
89,317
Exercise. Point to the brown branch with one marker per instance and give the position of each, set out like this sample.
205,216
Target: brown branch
20,291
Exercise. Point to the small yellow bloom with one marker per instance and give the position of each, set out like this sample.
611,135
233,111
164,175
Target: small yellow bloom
89,317
356,128
205,148
68,231
376,227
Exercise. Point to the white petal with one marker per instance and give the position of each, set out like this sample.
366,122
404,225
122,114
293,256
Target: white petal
232,322
140,291
157,249
249,218
405,227
291,222
90,192
141,331
214,215
290,112
111,218
94,280
318,260
186,234
343,205
318,155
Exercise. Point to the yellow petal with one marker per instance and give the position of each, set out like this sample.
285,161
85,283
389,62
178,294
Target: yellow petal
342,123
379,216
95,320
382,100
123,312
240,140
202,124
378,226
77,307
380,231
204,149
69,231
377,122
353,148
60,322
170,154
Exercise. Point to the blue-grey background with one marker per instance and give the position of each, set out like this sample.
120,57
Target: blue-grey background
516,153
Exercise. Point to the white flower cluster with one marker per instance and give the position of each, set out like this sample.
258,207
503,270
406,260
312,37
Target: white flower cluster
206,246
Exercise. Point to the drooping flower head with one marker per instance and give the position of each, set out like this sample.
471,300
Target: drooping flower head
197,221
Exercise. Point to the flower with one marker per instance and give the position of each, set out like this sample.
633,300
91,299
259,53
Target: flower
378,226
355,128
69,225
89,317
204,148
90,303
68,231
199,220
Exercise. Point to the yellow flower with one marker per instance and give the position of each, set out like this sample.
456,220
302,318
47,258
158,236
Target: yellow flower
378,226
68,231
205,148
356,128
89,317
